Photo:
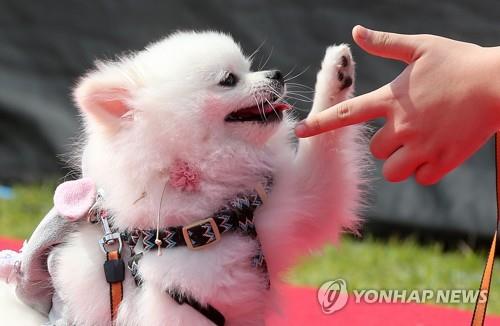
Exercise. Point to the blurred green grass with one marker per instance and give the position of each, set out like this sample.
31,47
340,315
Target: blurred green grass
398,264
19,216
365,264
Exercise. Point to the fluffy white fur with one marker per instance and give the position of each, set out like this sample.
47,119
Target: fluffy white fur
162,104
14,312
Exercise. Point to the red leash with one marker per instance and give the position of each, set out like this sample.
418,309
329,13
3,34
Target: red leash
481,305
114,266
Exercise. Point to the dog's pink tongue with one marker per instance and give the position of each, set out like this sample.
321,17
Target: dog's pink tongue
281,106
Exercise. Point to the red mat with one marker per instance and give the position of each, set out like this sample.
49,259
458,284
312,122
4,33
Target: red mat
301,308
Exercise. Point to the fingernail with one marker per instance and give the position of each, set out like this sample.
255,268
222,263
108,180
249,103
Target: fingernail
362,32
300,129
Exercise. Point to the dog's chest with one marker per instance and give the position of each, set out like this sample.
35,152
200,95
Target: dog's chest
221,275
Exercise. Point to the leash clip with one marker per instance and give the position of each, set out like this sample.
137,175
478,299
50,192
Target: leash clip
110,238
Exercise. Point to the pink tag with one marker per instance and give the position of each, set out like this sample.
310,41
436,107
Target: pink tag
73,199
184,176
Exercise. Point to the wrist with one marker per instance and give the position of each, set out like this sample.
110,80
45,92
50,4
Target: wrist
491,84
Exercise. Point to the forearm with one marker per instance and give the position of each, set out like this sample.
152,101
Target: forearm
492,82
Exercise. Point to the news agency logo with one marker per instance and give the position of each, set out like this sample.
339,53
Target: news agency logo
332,296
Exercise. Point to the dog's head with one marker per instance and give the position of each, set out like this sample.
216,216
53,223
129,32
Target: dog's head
191,97
190,86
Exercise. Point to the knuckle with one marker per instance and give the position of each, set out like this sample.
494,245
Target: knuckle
383,143
426,38
388,172
421,179
424,176
384,39
343,111
390,96
377,151
395,176
315,125
404,133
442,155
397,169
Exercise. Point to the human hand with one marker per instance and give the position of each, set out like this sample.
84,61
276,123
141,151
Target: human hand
441,109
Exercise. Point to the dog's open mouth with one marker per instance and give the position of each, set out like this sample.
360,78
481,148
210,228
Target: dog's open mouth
263,113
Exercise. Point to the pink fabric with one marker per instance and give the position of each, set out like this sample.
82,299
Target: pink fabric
73,199
8,260
184,176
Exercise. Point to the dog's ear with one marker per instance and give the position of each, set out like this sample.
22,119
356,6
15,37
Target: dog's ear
104,96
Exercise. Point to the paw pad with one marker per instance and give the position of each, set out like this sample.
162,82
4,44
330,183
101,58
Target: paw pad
336,76
345,61
346,81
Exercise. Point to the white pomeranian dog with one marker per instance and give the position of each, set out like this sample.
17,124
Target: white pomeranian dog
172,133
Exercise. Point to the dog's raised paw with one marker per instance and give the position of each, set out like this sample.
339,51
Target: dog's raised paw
346,81
339,66
335,80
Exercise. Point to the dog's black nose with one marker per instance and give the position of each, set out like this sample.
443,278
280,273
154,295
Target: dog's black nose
276,75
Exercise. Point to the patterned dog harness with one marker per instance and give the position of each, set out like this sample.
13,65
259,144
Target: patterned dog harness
77,200
234,216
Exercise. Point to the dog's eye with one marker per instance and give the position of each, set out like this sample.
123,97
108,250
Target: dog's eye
229,80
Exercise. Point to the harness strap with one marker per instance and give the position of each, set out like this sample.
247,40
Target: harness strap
212,314
116,287
482,301
237,215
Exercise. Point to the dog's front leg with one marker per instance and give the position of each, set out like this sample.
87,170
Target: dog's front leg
318,195
329,165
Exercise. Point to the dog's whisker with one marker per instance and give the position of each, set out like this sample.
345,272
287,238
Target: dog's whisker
251,56
261,111
301,100
290,72
298,89
297,75
267,60
279,96
293,94
300,85
299,96
301,110
272,107
300,92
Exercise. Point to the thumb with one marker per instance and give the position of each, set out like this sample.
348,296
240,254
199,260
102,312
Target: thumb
387,45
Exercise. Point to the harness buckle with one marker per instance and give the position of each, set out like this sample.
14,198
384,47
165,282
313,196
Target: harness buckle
210,235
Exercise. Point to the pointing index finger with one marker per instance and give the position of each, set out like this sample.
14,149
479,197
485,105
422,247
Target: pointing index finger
353,111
